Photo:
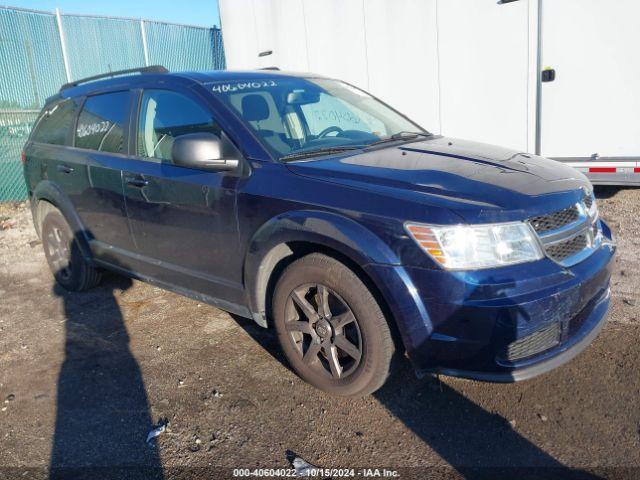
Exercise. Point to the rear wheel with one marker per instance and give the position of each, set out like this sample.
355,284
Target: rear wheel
69,267
331,328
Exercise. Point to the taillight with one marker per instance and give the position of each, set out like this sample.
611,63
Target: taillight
23,157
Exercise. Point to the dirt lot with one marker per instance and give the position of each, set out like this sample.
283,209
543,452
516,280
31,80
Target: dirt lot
85,377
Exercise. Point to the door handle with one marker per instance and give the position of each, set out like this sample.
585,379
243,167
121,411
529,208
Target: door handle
137,181
64,168
548,75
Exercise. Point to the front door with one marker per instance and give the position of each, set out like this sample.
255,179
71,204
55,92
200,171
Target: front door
590,111
183,220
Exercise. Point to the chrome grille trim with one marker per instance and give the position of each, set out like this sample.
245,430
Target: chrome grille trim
569,242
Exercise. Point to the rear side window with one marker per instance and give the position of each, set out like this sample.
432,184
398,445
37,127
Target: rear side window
102,121
55,123
166,115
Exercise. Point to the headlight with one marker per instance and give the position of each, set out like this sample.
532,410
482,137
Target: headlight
593,209
469,247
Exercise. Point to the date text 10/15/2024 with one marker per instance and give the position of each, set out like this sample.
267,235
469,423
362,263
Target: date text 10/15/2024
310,471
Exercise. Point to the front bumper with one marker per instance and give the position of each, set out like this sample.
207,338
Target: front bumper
544,361
504,324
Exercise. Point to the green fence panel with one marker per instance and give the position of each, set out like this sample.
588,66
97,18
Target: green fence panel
32,66
219,60
15,126
99,45
199,49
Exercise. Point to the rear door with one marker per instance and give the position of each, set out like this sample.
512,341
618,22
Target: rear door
80,144
183,220
49,144
94,166
590,111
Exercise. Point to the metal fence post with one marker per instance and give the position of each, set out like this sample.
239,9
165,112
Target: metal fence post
145,47
538,150
63,43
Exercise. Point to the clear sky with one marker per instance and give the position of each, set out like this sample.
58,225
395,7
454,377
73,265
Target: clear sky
193,12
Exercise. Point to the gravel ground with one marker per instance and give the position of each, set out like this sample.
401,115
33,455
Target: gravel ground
85,377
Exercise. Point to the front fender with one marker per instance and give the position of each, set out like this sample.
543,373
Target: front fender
269,245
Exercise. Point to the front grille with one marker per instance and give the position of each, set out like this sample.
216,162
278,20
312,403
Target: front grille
568,235
588,201
537,342
553,221
563,250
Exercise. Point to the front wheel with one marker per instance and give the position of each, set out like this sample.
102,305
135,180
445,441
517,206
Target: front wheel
331,328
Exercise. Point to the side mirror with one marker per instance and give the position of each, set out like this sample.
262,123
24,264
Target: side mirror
204,151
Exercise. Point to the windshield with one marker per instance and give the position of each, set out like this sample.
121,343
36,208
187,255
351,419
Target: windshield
296,116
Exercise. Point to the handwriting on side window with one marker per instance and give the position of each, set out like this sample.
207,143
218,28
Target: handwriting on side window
87,129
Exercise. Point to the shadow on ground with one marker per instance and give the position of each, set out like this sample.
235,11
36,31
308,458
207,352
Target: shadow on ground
102,418
478,444
603,192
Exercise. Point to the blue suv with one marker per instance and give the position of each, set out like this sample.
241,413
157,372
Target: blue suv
310,206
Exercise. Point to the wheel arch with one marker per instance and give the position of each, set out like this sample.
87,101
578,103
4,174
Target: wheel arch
47,196
288,237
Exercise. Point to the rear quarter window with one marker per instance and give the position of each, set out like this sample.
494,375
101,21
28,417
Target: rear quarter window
55,124
102,122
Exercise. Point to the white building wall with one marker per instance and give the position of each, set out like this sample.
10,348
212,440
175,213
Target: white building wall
593,106
465,68
484,70
402,57
240,36
281,28
449,65
336,39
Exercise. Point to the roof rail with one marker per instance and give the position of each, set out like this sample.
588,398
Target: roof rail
151,69
269,68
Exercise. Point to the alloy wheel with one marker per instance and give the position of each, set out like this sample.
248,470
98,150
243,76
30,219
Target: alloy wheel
58,244
324,330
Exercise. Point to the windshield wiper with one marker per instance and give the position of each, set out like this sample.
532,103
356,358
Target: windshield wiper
405,135
401,136
320,151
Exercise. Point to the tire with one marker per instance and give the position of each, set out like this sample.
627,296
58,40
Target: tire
315,341
70,269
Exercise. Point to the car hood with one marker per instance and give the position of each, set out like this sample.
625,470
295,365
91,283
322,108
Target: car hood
479,182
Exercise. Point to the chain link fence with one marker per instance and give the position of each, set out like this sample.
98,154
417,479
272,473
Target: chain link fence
32,65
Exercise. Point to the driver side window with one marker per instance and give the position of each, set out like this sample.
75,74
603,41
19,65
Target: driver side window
333,112
166,115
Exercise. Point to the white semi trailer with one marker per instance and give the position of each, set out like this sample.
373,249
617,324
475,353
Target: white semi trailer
560,78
